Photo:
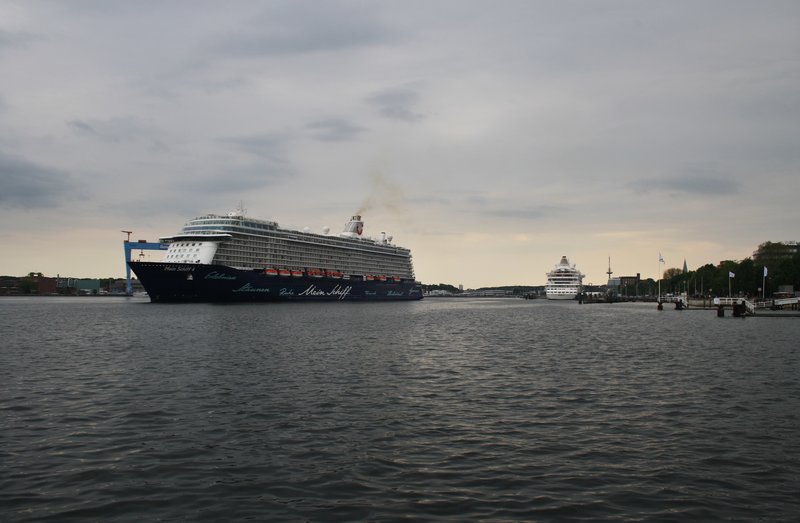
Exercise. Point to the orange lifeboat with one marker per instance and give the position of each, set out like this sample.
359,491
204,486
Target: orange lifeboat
369,277
297,274
270,272
284,272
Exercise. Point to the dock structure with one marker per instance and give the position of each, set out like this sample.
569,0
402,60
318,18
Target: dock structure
744,307
740,306
141,245
681,301
781,303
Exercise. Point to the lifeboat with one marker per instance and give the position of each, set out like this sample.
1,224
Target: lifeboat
396,279
334,274
270,272
284,272
369,277
380,278
297,274
314,273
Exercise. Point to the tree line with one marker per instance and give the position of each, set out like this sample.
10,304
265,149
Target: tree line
781,260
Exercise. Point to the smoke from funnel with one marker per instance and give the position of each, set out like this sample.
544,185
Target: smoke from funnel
383,194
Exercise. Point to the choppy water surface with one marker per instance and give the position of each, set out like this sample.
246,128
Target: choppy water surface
446,409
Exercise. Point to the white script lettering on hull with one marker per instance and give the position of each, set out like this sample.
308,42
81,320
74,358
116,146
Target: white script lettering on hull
341,292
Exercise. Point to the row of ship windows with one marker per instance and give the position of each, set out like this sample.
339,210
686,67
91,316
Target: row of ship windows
183,250
245,257
277,254
280,237
282,246
312,254
228,227
274,247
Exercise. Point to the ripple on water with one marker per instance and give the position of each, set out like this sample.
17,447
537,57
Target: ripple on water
438,410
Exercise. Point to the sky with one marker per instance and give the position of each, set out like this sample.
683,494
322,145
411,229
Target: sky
489,137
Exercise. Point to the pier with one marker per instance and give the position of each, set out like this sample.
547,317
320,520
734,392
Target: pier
744,307
681,301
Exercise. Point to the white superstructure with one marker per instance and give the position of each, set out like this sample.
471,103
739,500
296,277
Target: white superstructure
235,240
564,282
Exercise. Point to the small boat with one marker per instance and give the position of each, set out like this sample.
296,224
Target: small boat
284,272
381,278
314,273
296,273
270,272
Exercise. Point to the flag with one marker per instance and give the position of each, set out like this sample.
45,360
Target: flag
765,271
660,258
731,275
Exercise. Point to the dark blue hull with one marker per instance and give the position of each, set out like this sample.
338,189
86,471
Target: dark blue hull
177,282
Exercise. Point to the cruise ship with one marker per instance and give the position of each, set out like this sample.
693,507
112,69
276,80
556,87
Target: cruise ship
232,257
564,281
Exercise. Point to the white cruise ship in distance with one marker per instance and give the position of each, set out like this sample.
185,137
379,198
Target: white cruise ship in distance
564,282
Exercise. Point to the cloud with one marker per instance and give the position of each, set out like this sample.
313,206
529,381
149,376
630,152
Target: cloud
297,28
334,130
10,39
241,178
266,163
695,181
524,211
26,184
268,146
115,129
396,104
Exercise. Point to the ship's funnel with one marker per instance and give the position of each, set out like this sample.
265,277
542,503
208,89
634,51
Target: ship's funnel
355,227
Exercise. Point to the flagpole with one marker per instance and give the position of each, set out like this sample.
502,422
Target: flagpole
729,284
660,261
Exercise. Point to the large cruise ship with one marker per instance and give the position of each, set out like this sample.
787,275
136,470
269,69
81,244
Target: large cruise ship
232,257
564,281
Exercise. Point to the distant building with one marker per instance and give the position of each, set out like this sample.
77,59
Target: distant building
629,285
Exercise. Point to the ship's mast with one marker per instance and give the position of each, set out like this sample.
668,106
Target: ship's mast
609,272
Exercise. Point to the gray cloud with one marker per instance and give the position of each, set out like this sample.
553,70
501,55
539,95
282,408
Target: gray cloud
334,130
268,146
397,104
292,28
236,179
115,129
26,184
16,39
525,211
267,163
694,181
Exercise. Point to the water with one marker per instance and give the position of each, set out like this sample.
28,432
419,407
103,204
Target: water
441,410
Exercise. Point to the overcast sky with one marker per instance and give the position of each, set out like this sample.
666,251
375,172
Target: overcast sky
490,137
